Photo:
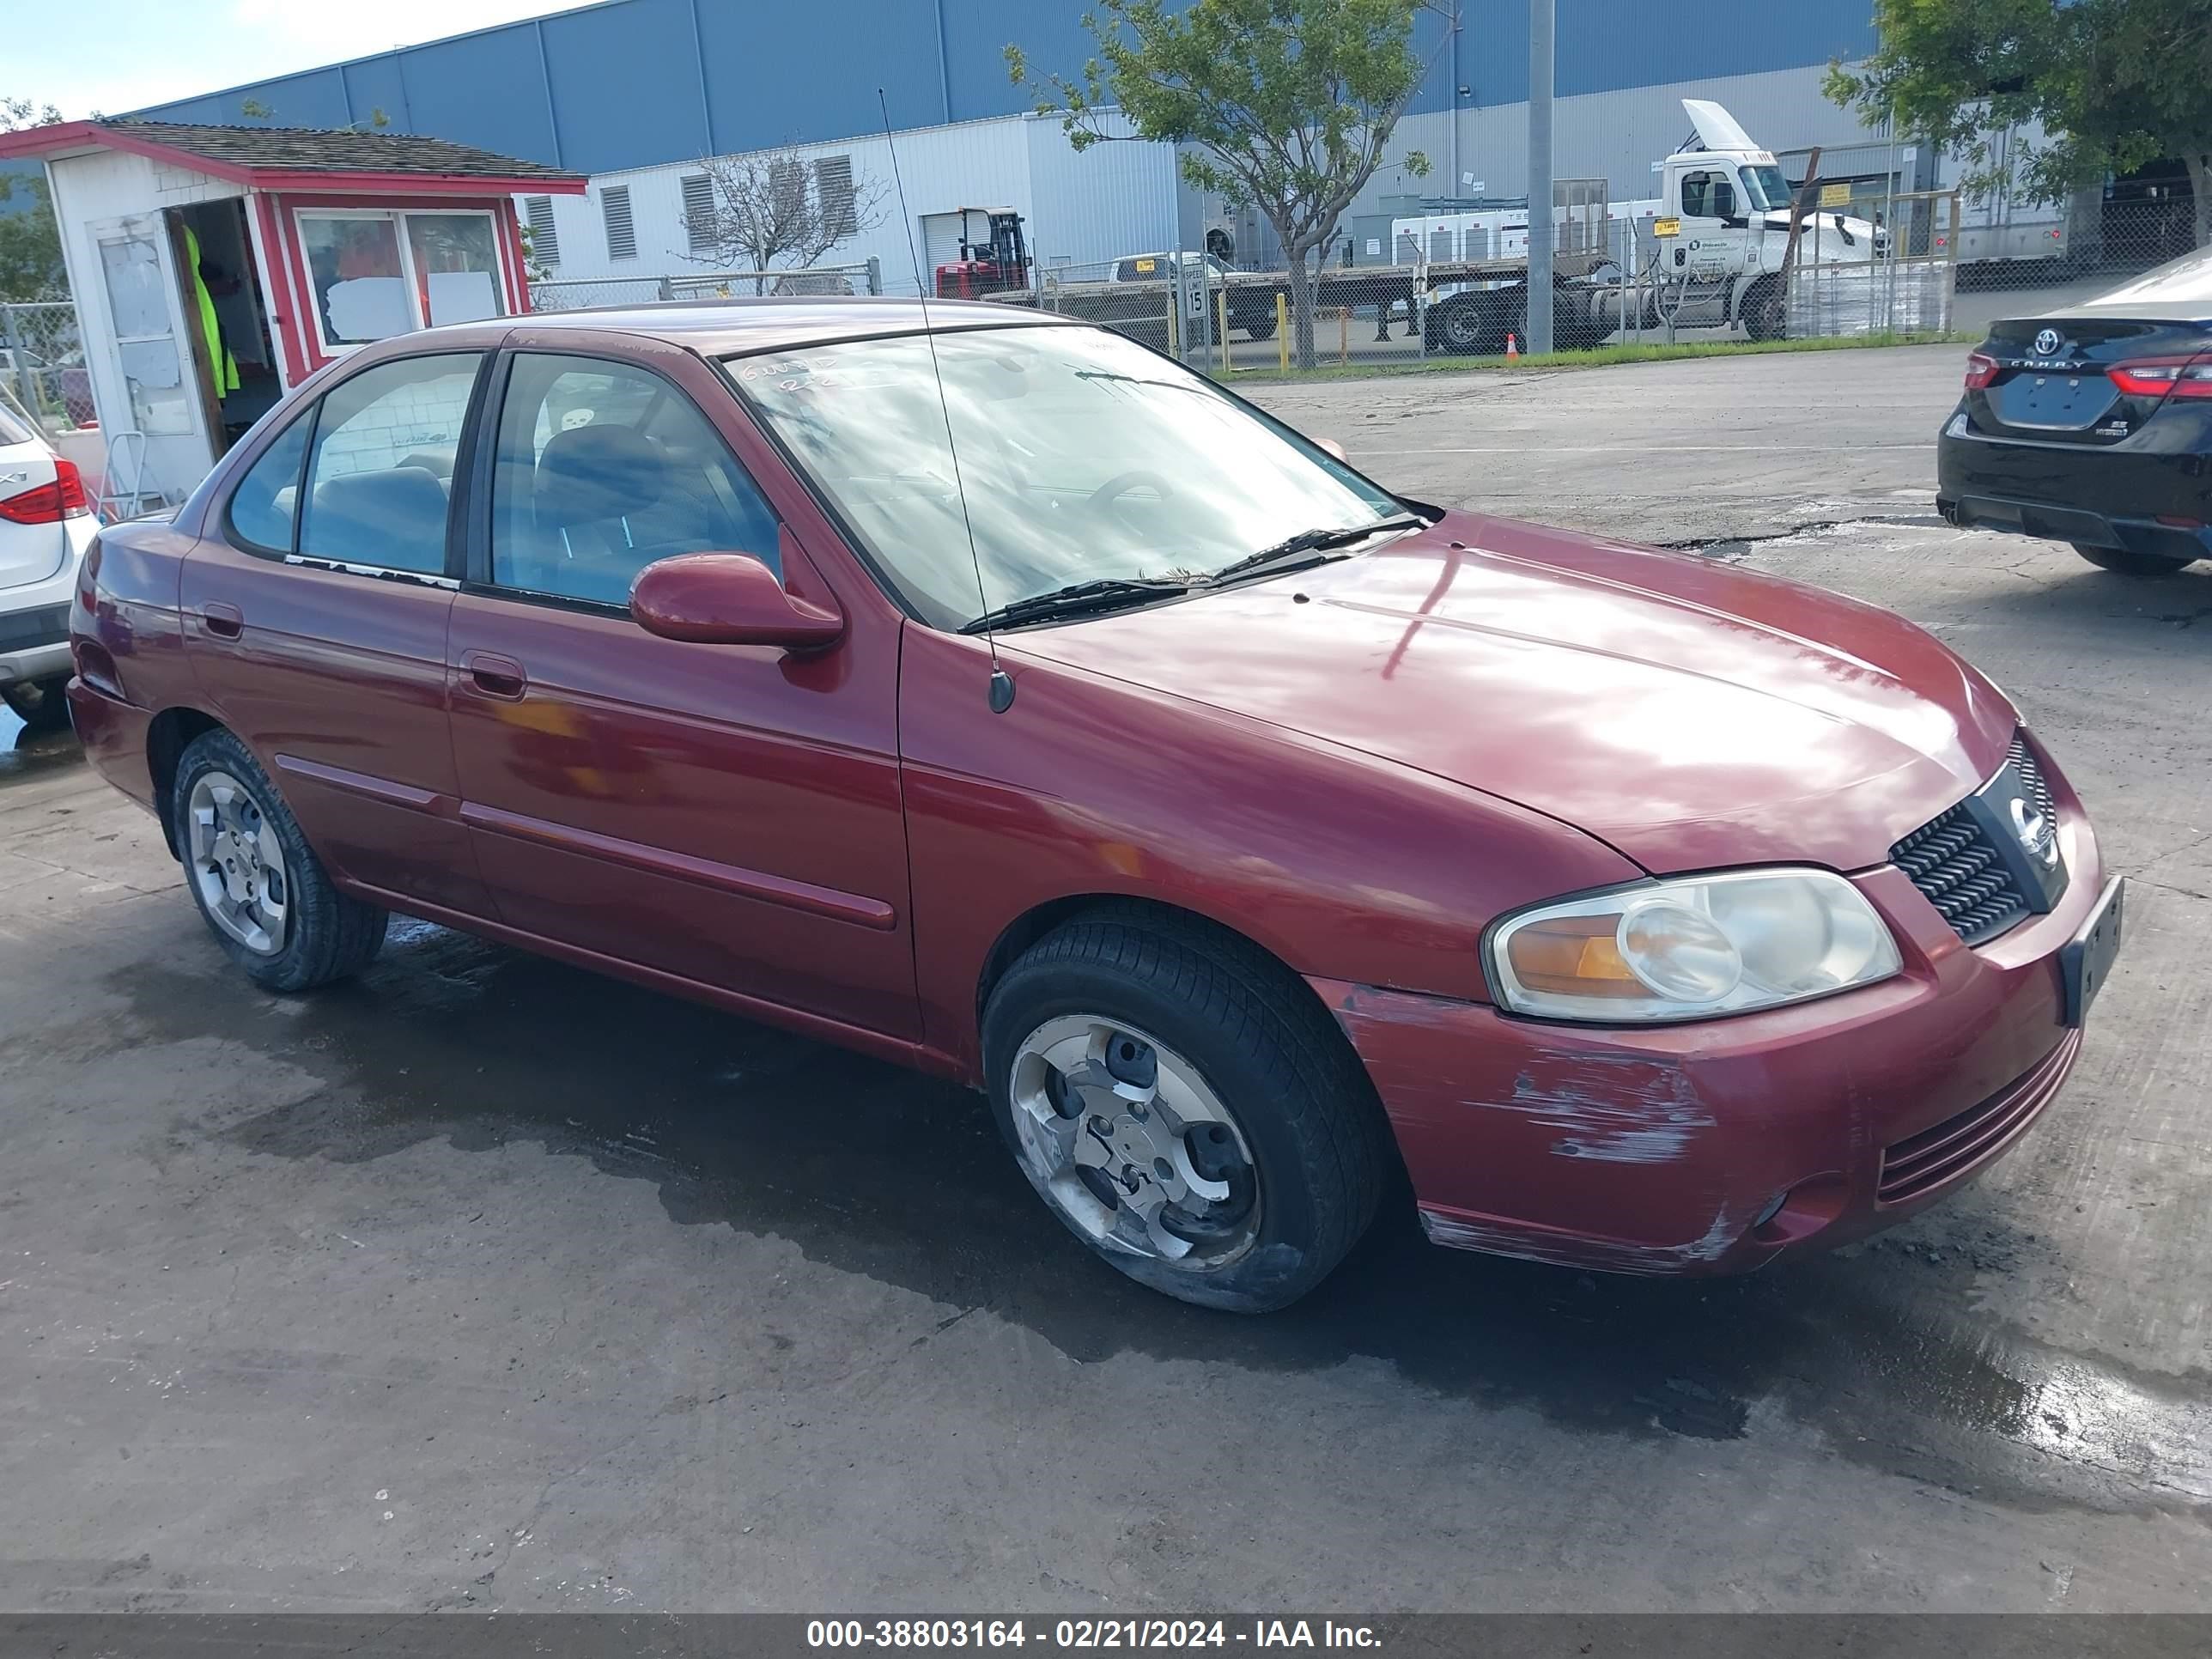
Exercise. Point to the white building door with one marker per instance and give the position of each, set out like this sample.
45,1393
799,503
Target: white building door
144,378
941,243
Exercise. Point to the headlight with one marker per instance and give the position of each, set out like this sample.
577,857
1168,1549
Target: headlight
1690,949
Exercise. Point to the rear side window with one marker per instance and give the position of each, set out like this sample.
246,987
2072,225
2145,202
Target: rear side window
602,468
265,506
381,474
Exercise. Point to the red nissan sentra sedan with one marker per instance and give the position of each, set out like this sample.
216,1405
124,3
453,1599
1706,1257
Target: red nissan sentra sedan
1244,831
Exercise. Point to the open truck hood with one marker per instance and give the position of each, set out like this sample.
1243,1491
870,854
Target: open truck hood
1689,714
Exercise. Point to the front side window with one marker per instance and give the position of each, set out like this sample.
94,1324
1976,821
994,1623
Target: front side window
602,468
382,470
1083,455
1708,196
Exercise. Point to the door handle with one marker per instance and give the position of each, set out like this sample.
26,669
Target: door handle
493,675
225,622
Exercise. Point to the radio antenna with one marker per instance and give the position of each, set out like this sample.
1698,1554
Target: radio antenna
1002,684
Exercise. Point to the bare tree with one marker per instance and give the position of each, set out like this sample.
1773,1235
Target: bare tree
777,211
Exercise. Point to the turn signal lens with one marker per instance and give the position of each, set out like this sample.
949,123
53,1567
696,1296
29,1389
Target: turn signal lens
1691,949
1981,369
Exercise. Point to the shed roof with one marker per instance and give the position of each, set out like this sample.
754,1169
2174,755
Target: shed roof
296,157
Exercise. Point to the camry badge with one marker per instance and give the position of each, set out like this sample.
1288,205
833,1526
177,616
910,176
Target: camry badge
2035,831
2048,342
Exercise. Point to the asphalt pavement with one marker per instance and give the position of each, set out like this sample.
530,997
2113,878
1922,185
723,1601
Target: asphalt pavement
486,1282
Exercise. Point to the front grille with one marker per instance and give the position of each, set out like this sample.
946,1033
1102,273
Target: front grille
1959,870
1920,1164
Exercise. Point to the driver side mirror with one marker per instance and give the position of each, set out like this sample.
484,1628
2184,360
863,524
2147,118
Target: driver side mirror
728,599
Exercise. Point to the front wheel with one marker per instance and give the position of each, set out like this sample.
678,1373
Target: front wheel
259,887
2144,566
1765,315
1182,1111
41,705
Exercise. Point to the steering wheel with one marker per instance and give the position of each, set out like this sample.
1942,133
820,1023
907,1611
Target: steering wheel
1123,482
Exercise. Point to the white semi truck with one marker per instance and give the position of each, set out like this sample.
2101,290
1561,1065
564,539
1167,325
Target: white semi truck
1707,251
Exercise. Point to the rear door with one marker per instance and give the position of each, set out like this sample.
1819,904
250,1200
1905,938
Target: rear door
727,814
315,610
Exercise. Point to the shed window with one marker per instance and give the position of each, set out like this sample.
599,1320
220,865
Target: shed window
621,234
374,275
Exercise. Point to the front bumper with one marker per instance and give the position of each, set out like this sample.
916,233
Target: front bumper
2098,495
1713,1147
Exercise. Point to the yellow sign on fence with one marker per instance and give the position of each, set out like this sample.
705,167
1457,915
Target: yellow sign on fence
1835,195
1666,227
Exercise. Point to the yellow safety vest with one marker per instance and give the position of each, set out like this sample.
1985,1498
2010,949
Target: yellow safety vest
226,366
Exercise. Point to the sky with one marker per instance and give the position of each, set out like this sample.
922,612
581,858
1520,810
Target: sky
110,56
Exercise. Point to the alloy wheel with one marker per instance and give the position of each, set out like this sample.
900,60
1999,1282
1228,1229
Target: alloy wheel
1127,1141
237,863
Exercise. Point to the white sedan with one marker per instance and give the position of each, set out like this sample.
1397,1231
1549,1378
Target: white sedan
46,523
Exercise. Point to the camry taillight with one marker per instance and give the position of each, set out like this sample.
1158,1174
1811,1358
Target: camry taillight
1981,369
2165,377
49,503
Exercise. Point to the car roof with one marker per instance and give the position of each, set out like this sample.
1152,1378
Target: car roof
718,328
2178,291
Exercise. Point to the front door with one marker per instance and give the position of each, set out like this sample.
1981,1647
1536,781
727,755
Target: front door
727,814
314,613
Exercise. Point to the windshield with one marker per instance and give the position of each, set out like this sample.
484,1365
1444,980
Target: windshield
1084,457
1765,187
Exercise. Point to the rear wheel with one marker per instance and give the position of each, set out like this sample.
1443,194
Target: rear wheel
2120,560
1175,1105
41,705
258,885
1258,325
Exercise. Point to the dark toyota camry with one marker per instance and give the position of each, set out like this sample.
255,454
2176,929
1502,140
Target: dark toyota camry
2093,425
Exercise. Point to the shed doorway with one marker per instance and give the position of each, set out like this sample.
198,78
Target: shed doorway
234,352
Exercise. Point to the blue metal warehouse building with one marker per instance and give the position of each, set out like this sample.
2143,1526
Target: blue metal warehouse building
633,92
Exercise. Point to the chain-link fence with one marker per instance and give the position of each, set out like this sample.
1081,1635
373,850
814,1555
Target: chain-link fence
42,364
1449,280
866,277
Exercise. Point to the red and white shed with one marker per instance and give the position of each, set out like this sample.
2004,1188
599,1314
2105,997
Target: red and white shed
215,267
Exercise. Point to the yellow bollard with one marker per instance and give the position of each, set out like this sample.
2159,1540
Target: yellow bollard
1283,330
1343,335
1221,299
1174,332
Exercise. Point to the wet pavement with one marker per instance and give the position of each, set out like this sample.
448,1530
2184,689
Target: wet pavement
485,1282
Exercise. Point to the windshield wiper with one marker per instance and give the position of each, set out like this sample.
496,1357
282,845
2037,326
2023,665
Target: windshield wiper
1083,598
1311,541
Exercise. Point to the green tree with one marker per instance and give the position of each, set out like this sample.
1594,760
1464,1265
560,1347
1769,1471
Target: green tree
2115,83
1287,106
30,243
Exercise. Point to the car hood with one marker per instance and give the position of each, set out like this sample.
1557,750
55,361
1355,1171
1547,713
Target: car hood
1689,715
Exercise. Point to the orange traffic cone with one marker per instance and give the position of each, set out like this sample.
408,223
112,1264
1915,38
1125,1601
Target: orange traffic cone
1512,349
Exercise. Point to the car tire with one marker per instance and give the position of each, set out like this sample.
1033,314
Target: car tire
234,835
1267,1103
41,705
1258,326
2123,561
